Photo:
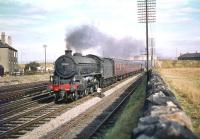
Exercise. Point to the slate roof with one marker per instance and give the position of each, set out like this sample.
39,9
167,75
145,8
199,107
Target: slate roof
190,55
2,45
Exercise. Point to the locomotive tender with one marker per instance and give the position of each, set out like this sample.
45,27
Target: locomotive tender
76,75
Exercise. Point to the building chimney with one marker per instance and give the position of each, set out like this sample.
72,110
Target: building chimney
9,40
3,37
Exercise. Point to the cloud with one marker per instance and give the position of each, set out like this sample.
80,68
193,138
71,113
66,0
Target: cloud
14,15
41,22
171,4
175,12
12,7
187,42
189,10
177,23
47,5
19,22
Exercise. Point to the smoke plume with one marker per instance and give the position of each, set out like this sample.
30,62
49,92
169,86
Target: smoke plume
86,37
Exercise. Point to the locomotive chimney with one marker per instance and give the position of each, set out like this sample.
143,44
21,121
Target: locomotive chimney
68,52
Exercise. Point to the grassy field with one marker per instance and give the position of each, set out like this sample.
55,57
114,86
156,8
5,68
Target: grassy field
129,118
186,84
178,64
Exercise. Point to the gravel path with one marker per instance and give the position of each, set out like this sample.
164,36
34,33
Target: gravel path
72,113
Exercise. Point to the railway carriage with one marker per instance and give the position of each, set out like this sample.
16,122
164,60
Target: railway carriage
76,75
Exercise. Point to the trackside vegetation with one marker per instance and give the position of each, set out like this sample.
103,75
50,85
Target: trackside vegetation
130,115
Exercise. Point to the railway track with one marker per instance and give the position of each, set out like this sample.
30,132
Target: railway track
20,86
22,104
15,125
87,124
19,92
23,122
109,116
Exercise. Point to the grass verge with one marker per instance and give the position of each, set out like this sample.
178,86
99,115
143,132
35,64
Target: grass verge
186,85
129,118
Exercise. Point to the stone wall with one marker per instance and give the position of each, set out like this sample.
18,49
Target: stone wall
163,117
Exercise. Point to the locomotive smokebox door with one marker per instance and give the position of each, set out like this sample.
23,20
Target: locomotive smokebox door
65,67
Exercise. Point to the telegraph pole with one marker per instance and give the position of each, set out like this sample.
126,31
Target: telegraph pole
45,57
146,14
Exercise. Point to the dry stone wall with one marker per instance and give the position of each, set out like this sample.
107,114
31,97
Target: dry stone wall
163,117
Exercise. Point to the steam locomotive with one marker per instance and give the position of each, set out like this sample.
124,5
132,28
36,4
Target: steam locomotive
76,75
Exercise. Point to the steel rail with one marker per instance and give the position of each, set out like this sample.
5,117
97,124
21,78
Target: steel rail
24,107
22,101
35,120
111,113
8,96
44,112
10,88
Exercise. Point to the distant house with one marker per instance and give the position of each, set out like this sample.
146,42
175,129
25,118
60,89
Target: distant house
8,54
49,68
189,56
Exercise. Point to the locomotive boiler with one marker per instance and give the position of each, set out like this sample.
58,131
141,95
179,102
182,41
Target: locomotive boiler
76,75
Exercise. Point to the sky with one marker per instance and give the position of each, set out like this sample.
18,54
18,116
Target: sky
34,23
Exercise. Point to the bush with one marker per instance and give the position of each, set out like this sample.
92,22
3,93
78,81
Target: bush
31,67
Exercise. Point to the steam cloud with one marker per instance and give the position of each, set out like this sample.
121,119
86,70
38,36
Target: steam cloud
86,37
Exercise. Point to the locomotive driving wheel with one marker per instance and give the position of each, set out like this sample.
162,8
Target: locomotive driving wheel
91,89
76,96
96,86
86,92
56,98
66,98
